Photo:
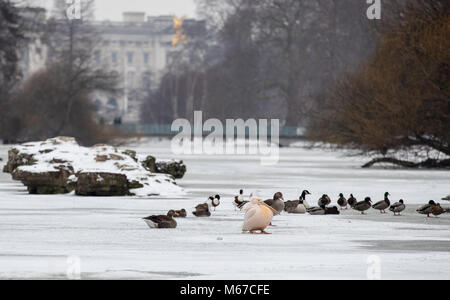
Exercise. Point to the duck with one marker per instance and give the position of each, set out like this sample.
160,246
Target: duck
202,210
214,201
363,205
383,205
317,211
258,216
177,213
427,209
352,201
324,201
277,202
398,207
299,206
161,222
342,202
437,210
239,201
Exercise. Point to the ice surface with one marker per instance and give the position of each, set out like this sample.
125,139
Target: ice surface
39,233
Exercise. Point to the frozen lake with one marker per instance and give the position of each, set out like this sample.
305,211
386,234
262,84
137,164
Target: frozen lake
50,236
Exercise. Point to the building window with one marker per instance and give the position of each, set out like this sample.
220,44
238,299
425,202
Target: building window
97,57
146,58
130,57
114,57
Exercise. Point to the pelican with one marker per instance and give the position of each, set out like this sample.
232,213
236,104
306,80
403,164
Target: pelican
258,216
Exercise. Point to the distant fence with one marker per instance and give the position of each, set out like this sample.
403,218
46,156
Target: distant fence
166,130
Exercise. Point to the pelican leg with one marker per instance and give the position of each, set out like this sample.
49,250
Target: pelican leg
264,232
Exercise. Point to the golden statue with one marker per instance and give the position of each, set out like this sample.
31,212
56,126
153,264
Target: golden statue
179,36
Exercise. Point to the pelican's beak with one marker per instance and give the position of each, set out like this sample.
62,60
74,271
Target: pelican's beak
275,212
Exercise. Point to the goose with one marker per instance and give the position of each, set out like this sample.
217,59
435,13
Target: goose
398,207
160,222
384,204
277,202
342,202
324,201
258,216
177,213
437,210
352,201
298,207
317,211
363,205
427,209
202,210
446,198
214,201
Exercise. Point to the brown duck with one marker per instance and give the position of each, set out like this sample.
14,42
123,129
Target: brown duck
352,201
437,210
177,213
363,205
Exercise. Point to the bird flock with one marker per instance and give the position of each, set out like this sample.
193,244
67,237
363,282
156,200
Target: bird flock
259,213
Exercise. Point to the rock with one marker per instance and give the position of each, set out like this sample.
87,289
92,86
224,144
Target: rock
102,184
45,183
101,158
176,168
17,159
150,164
131,153
60,165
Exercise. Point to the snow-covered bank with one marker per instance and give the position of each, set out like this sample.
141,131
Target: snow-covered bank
60,165
39,233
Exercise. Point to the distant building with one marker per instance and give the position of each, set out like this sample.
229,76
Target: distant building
33,51
138,49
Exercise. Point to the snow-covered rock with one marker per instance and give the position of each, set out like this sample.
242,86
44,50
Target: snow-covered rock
60,165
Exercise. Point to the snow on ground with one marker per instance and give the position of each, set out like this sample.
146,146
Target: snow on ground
39,233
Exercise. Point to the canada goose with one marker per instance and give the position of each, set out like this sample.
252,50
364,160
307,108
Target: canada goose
177,213
324,201
299,206
202,210
384,204
342,202
398,207
258,216
214,201
437,210
277,202
160,222
363,205
427,209
352,201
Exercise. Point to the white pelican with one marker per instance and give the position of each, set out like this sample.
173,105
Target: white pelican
258,216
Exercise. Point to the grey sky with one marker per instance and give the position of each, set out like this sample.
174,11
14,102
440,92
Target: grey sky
112,9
